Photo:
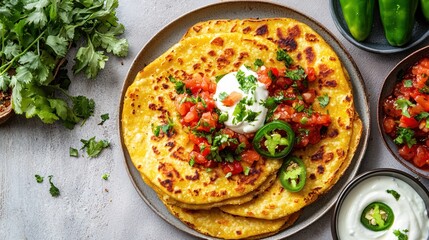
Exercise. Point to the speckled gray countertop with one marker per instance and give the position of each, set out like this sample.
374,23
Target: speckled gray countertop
92,208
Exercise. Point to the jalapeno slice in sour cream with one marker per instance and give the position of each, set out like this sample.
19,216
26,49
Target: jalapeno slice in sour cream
377,216
274,140
293,174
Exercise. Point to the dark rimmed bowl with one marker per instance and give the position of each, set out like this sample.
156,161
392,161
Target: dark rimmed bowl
376,41
386,90
6,114
407,178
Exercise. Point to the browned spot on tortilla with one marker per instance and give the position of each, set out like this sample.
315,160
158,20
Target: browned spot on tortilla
165,86
238,232
309,37
289,44
332,58
309,55
197,28
341,152
320,169
196,192
312,176
222,62
156,88
196,66
328,157
167,184
324,70
169,57
204,59
212,53
152,106
348,98
331,83
196,176
247,30
294,31
333,133
229,52
243,55
299,56
262,30
155,150
178,191
217,41
318,155
170,145
180,61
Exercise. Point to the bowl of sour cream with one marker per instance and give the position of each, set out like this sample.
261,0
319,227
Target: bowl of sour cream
382,204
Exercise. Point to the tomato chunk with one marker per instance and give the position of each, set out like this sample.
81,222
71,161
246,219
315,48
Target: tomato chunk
232,99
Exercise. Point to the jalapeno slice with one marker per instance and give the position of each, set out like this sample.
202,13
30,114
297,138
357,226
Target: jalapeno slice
293,174
377,216
274,139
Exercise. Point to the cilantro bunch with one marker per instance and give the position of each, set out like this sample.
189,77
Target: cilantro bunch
35,39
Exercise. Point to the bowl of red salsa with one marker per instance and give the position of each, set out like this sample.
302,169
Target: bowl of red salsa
403,112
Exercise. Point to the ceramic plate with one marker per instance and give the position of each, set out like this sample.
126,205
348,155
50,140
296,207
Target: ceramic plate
241,9
376,42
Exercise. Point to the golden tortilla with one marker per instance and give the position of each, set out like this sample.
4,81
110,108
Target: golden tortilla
149,102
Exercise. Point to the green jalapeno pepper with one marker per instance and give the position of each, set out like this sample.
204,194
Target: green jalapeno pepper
274,139
424,4
377,216
293,174
359,16
398,18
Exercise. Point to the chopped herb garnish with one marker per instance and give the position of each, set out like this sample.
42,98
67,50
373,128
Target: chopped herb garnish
39,178
240,148
272,76
323,100
394,193
247,83
296,75
166,128
55,192
299,107
401,235
403,104
258,63
223,95
282,55
104,118
192,162
223,117
208,169
405,136
424,89
178,85
303,120
105,176
408,83
93,147
247,171
73,152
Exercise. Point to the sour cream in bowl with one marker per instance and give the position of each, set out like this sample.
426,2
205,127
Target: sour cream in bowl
382,204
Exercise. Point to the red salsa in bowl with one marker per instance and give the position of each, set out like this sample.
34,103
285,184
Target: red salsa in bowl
405,111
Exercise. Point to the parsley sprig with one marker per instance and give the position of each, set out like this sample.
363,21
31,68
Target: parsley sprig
35,38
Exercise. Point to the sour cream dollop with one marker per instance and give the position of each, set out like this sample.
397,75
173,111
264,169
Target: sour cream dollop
409,210
241,115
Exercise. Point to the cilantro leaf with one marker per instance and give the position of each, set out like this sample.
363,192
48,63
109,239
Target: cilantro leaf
39,178
58,44
323,100
401,235
93,147
403,104
405,136
258,63
83,106
282,55
178,85
105,176
408,83
394,193
55,192
104,118
73,152
296,74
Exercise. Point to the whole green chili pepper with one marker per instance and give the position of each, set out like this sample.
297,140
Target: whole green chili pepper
424,4
359,15
398,18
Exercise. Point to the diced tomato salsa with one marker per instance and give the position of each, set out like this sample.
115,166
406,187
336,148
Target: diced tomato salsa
406,114
290,99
